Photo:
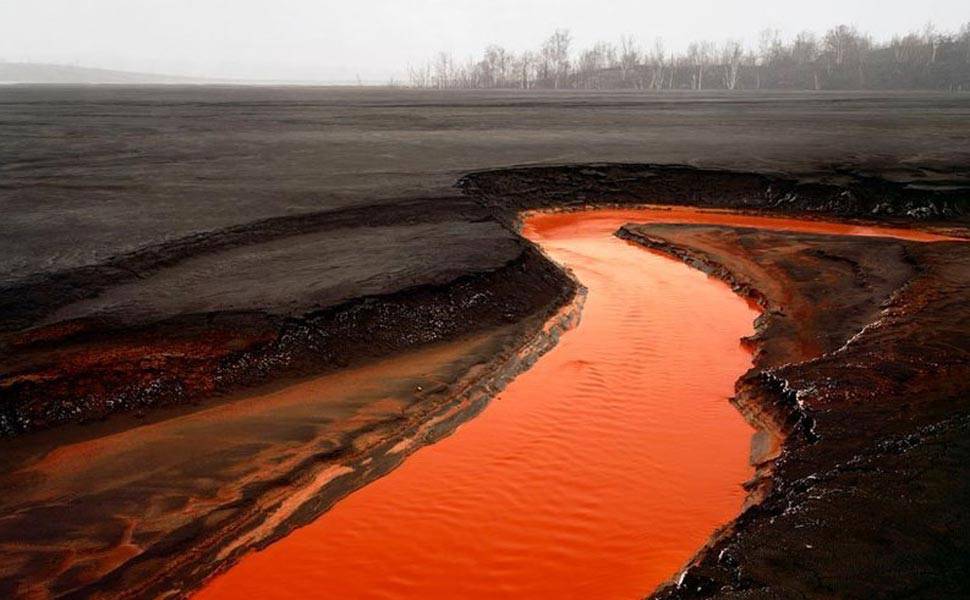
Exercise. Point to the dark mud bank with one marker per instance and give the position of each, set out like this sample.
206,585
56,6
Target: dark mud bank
90,372
840,192
863,362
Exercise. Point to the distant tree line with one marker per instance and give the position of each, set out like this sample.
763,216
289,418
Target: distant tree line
841,59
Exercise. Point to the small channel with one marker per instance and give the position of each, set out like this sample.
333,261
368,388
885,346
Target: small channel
596,474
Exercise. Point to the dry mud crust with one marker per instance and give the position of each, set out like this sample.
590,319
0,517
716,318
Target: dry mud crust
281,299
26,301
867,497
840,193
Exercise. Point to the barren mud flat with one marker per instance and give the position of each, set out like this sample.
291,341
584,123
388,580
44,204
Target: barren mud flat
222,310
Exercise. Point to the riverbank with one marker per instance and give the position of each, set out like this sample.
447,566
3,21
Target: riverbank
596,473
157,508
862,362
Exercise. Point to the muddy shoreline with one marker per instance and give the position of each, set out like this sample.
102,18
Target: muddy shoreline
65,364
863,410
197,356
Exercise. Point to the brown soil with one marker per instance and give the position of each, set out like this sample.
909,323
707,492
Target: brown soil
863,363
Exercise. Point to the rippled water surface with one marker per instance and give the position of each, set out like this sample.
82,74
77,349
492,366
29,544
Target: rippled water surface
596,474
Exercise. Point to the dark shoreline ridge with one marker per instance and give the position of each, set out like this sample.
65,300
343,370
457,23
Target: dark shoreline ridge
85,367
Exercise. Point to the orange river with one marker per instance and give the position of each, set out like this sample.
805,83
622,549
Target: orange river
596,474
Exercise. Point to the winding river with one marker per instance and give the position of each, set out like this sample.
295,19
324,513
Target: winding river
596,474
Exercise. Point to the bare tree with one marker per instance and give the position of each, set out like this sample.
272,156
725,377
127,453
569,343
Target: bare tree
443,71
964,40
629,57
592,62
932,39
494,67
731,56
420,77
839,41
525,70
805,48
699,56
769,44
658,64
842,59
555,54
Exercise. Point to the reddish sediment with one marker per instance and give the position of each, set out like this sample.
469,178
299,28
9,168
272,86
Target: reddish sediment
597,473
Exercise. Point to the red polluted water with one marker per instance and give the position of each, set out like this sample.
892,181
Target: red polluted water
596,474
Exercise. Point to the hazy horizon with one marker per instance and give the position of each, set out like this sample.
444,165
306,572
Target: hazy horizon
376,40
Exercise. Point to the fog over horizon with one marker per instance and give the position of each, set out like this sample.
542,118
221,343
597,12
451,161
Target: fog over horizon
376,40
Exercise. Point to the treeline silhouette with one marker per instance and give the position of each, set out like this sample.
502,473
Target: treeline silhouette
841,59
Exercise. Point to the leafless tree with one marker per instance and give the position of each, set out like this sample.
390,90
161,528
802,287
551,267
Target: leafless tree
804,48
658,64
843,59
932,39
964,39
907,50
555,55
420,77
525,70
629,58
838,42
699,56
593,61
731,57
495,67
443,71
769,45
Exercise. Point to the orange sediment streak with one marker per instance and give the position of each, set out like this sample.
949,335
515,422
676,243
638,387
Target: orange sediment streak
595,474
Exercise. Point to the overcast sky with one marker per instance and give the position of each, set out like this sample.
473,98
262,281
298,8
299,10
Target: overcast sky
376,39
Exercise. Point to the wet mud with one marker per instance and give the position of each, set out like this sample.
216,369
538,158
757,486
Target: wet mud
862,364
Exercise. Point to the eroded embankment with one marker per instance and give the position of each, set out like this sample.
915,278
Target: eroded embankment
294,305
864,359
153,510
